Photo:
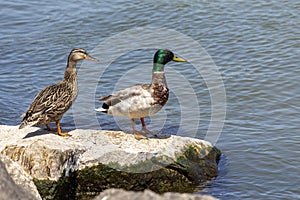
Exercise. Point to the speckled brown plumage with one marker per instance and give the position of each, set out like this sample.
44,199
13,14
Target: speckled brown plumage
53,101
160,93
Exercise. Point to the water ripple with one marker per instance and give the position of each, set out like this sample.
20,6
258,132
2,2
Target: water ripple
255,45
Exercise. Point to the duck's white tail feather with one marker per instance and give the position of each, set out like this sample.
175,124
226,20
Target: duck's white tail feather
101,109
25,124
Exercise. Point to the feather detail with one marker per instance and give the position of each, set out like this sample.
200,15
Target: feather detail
50,104
101,110
141,101
25,124
133,102
53,101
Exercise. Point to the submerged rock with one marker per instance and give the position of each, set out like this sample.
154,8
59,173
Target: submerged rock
91,161
120,194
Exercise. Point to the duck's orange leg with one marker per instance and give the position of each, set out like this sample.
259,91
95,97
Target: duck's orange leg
137,135
145,129
59,130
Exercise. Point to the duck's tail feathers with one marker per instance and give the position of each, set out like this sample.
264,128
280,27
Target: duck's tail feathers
101,110
25,124
22,125
104,108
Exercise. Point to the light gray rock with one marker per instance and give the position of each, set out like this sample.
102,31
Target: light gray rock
19,176
120,194
9,189
42,154
93,160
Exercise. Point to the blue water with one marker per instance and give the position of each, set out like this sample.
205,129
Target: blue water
255,46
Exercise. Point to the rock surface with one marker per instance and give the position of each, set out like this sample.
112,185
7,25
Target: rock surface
9,189
91,161
119,194
19,176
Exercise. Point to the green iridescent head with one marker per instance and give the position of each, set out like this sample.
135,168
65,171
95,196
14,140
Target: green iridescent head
162,57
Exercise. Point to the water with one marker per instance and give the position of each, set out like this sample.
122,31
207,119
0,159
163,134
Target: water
254,44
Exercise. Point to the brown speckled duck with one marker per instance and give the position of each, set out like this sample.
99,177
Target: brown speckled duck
53,101
142,100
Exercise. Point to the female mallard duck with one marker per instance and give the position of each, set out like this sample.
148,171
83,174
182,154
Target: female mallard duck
53,101
143,100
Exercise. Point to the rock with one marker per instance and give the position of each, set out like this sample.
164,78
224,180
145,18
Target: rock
91,161
9,189
120,194
19,176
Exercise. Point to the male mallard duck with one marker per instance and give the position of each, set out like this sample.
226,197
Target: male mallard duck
142,100
53,101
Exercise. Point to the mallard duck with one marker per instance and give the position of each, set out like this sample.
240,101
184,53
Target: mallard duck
53,101
140,101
